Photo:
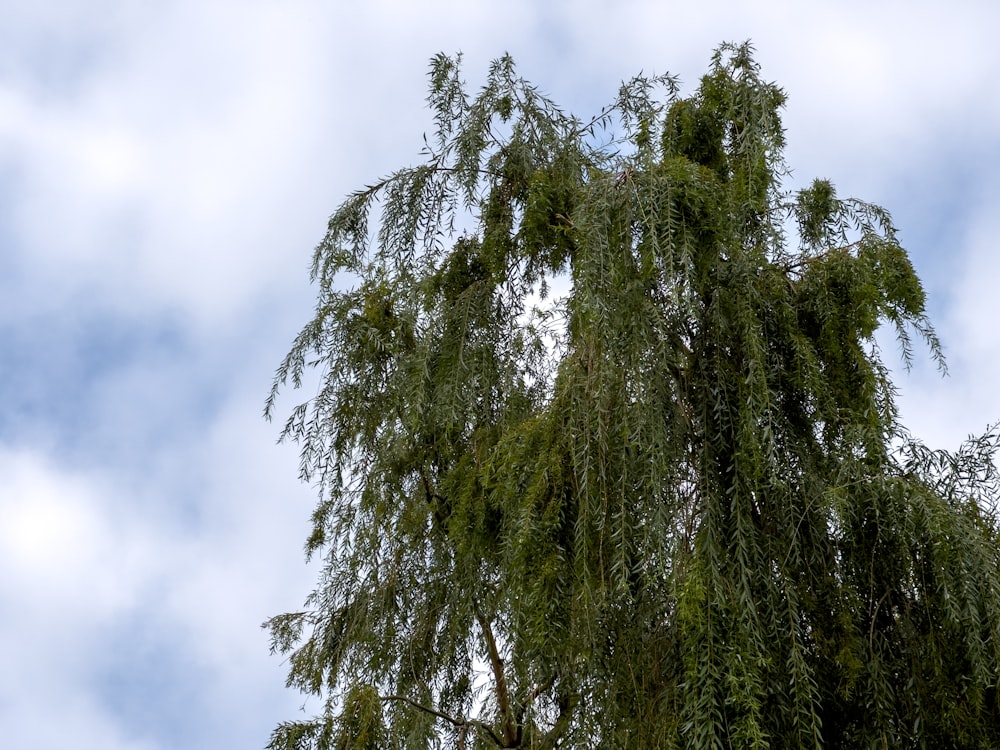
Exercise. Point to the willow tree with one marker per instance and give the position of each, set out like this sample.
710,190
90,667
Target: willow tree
607,453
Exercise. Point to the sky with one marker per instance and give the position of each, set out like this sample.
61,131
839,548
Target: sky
165,172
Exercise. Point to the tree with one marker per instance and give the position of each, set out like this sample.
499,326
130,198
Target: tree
619,464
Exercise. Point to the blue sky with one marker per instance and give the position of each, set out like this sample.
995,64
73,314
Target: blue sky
166,169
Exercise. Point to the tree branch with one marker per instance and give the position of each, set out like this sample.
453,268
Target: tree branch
460,723
510,733
806,260
566,705
530,697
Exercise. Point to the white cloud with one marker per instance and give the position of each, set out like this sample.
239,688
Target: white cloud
69,566
60,543
948,410
125,578
59,720
162,180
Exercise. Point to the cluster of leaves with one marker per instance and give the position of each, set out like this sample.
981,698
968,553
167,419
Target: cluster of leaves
621,467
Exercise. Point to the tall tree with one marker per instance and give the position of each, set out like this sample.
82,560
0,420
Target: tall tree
607,454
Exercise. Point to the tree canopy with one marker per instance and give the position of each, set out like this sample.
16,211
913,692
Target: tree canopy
607,453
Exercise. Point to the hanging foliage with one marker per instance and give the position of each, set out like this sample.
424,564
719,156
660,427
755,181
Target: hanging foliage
620,465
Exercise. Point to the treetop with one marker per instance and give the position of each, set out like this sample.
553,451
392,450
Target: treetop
607,454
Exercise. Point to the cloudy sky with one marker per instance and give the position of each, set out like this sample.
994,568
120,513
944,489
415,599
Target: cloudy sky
165,171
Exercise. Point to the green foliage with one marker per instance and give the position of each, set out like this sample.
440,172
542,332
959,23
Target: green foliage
620,466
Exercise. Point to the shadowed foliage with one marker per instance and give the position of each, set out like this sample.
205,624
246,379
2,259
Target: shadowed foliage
607,455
